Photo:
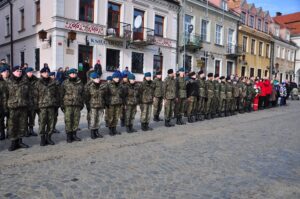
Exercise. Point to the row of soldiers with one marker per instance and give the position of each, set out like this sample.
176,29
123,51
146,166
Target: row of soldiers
194,96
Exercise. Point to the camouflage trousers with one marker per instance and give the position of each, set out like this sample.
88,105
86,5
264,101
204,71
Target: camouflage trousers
229,104
56,116
248,104
192,105
72,118
106,116
123,112
17,123
179,107
215,105
94,118
222,104
157,105
113,115
145,112
208,105
2,120
241,103
130,114
31,117
169,108
201,105
46,120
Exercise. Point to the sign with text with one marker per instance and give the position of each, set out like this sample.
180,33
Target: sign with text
85,27
103,42
164,42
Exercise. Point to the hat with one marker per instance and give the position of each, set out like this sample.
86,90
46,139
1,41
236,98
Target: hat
170,71
222,77
52,74
228,78
115,75
29,69
158,73
131,76
181,69
216,75
94,75
72,71
210,75
191,74
148,74
200,72
109,78
44,70
16,68
3,69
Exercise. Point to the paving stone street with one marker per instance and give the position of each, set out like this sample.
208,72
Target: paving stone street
252,155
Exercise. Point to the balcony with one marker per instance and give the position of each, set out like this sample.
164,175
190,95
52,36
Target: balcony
143,36
233,51
118,32
191,42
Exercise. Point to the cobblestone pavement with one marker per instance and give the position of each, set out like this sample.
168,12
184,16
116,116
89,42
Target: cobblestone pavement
253,155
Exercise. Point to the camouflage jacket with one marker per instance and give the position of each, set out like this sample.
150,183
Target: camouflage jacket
114,93
131,94
202,88
181,87
236,90
72,93
94,95
32,81
223,90
229,90
243,89
147,92
169,88
216,88
158,90
3,95
46,93
250,92
18,93
210,88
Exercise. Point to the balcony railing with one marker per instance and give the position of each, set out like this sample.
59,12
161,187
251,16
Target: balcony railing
143,36
233,50
191,42
118,31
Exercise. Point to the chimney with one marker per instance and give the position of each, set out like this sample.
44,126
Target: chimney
278,14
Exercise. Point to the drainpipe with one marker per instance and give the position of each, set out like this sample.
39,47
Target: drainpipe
177,36
271,60
11,34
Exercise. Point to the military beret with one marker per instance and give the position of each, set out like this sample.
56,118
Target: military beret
3,69
16,68
210,75
216,75
115,75
109,78
52,74
29,69
72,71
181,69
148,74
200,72
45,70
131,76
191,74
228,78
170,71
94,75
158,73
222,77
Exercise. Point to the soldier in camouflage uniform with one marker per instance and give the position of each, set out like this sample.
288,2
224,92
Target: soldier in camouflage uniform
201,101
124,84
216,101
229,97
94,96
108,80
32,109
250,94
181,96
4,74
72,103
45,99
158,97
57,101
192,89
169,90
222,101
236,97
131,98
114,103
242,86
210,95
18,101
146,100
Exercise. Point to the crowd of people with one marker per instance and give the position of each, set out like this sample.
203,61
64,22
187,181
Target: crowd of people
196,96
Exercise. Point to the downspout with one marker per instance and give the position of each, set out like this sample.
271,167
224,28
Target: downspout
11,34
177,43
271,60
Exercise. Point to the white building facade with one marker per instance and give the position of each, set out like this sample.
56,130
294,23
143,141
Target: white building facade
140,34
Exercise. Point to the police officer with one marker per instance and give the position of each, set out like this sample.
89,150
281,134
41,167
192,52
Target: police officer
72,103
4,74
192,89
158,97
169,90
94,93
45,99
210,95
181,96
18,101
146,101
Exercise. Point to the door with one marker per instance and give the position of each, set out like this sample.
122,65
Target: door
113,19
229,68
157,64
138,33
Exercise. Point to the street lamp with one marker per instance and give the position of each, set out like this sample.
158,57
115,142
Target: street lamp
71,37
43,36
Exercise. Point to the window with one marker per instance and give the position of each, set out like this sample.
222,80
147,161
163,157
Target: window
157,64
292,56
187,21
288,36
280,78
138,33
7,19
188,63
22,56
204,61
260,49
288,55
159,26
277,32
217,66
37,12
86,10
230,40
137,61
259,24
112,59
282,53
268,50
278,52
37,59
204,28
266,73
22,20
253,46
243,71
266,27
251,72
259,73
286,76
245,41
229,68
224,5
251,21
219,40
243,17
113,19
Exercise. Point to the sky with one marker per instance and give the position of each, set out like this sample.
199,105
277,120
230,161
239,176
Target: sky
273,6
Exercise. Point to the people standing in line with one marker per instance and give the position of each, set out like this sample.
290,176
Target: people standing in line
210,95
201,101
158,97
169,91
124,84
229,97
192,90
223,94
216,99
181,96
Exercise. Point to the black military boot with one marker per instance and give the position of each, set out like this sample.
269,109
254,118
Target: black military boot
31,132
43,140
27,133
2,134
148,127
22,145
122,123
13,146
69,137
181,120
111,132
128,130
159,119
93,134
171,124
116,132
132,129
49,140
167,123
222,114
75,138
143,127
190,119
56,131
178,122
155,118
98,134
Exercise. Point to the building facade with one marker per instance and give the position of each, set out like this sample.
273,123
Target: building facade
254,38
140,34
208,37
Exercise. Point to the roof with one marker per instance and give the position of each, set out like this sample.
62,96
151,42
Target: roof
291,21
